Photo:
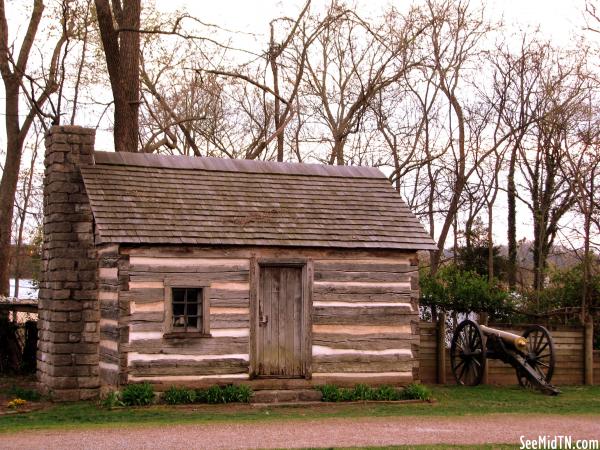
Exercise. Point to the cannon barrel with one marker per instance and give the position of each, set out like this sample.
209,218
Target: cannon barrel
516,341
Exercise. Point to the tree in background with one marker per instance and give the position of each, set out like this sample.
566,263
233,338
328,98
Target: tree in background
122,53
474,255
16,76
464,291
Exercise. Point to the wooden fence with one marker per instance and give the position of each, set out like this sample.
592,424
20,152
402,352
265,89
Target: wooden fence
569,344
597,367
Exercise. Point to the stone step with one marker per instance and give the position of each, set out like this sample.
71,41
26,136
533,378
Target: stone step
286,396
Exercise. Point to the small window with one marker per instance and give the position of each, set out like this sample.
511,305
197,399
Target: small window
187,310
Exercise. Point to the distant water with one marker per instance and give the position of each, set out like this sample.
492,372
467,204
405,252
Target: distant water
26,289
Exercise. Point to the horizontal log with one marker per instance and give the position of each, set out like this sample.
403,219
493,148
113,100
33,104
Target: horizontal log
361,366
109,313
135,327
160,260
140,317
358,330
188,261
327,275
335,296
229,321
154,307
351,358
140,277
320,288
363,316
229,298
220,310
190,346
109,334
108,356
365,342
144,295
265,252
184,267
374,265
183,367
138,358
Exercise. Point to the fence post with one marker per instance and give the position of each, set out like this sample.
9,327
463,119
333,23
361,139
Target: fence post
441,347
483,320
588,348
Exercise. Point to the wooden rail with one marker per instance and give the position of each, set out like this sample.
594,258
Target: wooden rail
26,306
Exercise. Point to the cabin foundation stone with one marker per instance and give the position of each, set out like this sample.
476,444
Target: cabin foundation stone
68,325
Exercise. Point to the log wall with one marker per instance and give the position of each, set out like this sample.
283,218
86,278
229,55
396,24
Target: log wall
364,315
568,341
113,278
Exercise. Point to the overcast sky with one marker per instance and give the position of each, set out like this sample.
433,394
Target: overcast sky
558,20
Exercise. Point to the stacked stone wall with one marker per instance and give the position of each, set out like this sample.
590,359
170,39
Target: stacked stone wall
68,307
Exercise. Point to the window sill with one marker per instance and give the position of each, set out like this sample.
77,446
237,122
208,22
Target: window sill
186,335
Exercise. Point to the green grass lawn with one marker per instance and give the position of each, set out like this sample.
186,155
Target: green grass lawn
450,401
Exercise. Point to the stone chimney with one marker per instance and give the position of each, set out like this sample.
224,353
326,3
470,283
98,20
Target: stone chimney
68,305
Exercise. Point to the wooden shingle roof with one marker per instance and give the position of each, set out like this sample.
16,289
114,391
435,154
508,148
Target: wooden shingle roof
142,198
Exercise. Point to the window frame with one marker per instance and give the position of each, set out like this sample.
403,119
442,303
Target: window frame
204,288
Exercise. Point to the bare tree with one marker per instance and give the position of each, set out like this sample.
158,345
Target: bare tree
352,63
25,201
121,50
582,168
455,32
13,68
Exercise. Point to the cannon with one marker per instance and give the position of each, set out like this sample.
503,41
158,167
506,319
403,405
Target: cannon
532,354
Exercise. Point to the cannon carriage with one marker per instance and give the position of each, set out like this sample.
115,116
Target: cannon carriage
532,354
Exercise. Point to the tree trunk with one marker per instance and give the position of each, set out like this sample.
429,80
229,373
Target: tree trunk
8,184
490,243
121,49
338,150
511,192
585,303
129,49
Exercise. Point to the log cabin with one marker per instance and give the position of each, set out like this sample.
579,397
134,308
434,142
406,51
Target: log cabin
201,271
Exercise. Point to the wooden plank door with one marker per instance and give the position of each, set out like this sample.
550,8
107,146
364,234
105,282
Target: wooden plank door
280,340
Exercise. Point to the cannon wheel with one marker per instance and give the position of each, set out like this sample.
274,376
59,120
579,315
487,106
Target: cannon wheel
539,354
467,354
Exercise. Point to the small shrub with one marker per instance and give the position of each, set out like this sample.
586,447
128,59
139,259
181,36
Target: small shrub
215,394
178,395
201,396
415,391
111,401
332,393
238,393
362,392
138,394
26,394
224,394
386,393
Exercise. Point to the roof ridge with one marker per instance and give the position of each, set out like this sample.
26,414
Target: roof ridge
233,165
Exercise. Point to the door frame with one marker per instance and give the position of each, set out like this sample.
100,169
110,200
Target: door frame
306,265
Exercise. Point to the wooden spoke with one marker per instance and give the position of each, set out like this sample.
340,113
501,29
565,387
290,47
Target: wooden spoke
540,354
467,355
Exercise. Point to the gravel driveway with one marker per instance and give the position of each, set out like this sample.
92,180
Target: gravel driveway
498,428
